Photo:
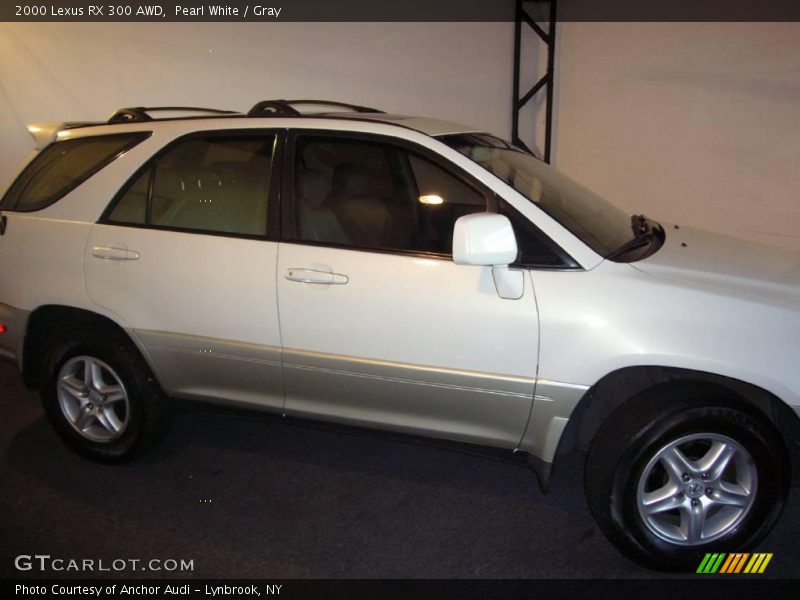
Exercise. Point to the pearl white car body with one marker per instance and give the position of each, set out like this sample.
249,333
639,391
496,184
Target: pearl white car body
510,358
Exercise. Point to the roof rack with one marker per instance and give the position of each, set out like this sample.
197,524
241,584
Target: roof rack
285,108
139,114
265,108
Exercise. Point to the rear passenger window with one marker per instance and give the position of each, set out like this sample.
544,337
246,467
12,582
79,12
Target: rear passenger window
215,184
132,207
63,166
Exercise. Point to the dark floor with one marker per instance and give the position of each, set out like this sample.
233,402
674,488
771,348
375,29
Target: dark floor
249,496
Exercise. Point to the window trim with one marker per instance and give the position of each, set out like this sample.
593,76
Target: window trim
136,138
273,193
567,262
289,228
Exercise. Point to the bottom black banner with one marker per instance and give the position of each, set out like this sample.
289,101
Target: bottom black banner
416,589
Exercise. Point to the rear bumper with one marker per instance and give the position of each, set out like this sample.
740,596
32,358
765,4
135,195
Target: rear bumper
15,321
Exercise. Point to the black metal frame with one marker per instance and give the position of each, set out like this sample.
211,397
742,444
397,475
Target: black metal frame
138,114
547,81
285,108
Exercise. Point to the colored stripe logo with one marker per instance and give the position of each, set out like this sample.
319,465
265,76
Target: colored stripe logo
735,563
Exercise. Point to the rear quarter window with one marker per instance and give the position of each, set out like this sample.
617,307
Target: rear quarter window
64,165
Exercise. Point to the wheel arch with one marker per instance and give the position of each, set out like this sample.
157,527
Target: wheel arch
620,387
48,321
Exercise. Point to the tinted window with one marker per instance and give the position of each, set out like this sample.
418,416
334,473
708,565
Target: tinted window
535,248
62,166
216,184
132,207
367,194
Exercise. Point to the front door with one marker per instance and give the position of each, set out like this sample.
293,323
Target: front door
379,326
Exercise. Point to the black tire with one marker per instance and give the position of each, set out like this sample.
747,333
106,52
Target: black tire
625,449
146,410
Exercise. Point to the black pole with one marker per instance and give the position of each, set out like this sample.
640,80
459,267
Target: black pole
551,64
515,92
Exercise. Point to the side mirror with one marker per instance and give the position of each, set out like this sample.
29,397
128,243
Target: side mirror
486,239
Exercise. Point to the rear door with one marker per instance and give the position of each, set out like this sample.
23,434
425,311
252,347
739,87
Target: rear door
379,326
186,254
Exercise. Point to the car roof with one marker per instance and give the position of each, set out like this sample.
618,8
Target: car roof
263,109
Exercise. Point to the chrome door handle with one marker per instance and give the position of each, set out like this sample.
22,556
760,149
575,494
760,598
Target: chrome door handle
111,253
315,276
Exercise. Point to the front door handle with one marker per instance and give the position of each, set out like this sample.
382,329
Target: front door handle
112,253
315,276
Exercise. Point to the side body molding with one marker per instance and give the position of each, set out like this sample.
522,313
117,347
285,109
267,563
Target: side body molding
225,371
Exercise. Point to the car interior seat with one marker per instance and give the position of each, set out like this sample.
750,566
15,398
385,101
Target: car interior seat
363,216
315,221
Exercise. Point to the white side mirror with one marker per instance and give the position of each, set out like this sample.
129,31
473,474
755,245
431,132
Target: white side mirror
484,239
487,240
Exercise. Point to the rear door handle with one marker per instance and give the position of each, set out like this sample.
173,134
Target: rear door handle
112,253
315,276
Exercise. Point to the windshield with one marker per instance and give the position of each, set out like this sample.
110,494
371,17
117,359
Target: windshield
598,223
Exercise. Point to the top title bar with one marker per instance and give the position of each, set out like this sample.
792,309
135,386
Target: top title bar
402,10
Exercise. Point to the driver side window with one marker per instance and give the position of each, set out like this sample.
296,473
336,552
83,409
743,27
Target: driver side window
370,195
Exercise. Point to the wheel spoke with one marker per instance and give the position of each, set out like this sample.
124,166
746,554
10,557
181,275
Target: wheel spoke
731,495
87,373
73,387
83,418
695,519
108,419
661,500
113,394
96,375
717,459
676,464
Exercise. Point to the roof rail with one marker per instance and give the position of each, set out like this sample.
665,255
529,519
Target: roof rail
139,114
285,108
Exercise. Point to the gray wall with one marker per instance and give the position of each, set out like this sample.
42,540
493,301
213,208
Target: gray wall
74,71
689,122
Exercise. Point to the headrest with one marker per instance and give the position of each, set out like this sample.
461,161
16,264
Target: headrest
312,186
483,154
350,180
188,179
529,185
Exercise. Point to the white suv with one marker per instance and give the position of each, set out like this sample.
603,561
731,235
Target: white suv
409,274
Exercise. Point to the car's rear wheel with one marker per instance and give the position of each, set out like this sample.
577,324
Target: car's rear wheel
682,471
93,399
101,397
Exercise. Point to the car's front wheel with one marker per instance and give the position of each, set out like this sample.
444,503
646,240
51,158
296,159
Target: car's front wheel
679,472
101,397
